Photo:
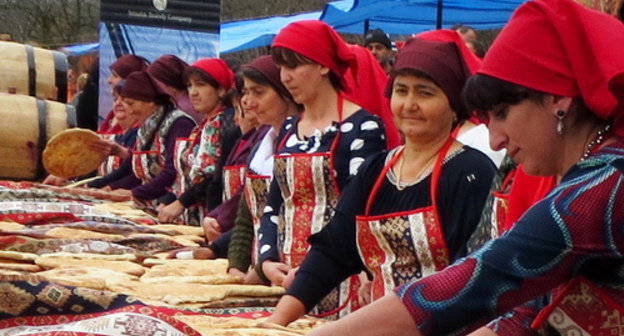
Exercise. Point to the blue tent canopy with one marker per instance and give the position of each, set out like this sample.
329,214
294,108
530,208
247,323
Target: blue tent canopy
81,49
413,16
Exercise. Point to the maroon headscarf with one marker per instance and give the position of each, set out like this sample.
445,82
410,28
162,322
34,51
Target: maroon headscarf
141,86
127,64
270,70
169,70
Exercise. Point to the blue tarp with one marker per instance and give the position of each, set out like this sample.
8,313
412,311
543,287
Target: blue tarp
81,49
412,16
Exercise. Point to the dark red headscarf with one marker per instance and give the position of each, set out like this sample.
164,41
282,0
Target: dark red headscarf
141,86
218,70
127,64
359,72
562,48
169,70
270,70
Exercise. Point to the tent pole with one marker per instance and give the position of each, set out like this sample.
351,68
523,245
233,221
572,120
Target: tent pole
439,16
366,26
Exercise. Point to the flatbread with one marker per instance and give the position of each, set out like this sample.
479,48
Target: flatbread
70,233
118,266
68,155
231,325
89,277
20,256
180,229
13,265
92,256
219,279
11,226
177,267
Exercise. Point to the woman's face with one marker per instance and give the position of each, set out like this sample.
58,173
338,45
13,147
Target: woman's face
113,79
420,108
528,131
245,119
204,97
138,109
303,80
124,119
263,101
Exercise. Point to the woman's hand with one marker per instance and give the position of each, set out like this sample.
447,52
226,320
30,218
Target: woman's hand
364,292
102,146
290,277
121,192
212,229
198,253
171,212
275,271
252,278
237,273
54,180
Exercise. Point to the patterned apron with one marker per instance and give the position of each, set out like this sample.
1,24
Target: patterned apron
402,246
256,194
308,185
111,162
233,179
500,205
581,308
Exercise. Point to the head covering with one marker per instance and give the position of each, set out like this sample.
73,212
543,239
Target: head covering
127,64
218,70
377,35
446,35
442,61
169,70
319,42
562,48
266,66
141,86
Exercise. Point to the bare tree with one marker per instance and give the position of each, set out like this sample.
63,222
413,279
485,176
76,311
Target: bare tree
250,9
50,23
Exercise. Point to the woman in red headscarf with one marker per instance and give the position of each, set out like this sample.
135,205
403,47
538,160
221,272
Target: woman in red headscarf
321,149
553,86
196,157
408,212
149,171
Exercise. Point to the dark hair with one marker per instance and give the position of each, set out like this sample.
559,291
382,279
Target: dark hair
483,93
460,111
258,77
202,75
292,59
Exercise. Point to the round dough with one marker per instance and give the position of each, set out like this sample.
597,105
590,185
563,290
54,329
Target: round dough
68,154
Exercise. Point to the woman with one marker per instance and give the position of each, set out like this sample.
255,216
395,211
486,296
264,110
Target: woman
118,145
320,151
557,112
169,71
150,170
208,81
120,70
409,212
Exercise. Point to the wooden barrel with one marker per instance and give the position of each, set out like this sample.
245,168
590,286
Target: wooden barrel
26,125
31,71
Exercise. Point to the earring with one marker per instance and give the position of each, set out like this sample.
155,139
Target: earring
560,116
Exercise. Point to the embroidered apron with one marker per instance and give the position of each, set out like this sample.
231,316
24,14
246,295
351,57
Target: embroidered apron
402,246
581,308
111,162
308,185
256,194
233,179
500,205
194,214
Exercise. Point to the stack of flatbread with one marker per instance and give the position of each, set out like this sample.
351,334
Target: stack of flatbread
68,153
237,326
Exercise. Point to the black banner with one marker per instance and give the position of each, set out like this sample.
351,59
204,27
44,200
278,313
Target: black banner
199,15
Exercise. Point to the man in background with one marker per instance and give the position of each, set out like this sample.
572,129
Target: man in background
380,46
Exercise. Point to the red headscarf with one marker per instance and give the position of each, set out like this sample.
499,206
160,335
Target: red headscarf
218,70
360,74
562,48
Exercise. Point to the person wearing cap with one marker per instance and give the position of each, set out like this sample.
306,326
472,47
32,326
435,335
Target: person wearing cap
558,111
149,171
169,71
321,148
197,157
120,70
380,45
409,212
